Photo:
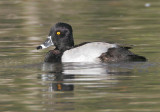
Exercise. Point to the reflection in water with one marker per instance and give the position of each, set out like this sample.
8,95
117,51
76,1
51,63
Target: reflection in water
61,76
72,84
57,82
56,77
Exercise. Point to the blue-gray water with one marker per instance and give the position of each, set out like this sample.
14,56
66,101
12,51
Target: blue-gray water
29,85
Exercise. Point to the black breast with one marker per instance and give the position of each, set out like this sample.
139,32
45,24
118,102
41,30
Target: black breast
53,56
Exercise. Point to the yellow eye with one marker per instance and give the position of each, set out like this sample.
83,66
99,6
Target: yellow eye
58,33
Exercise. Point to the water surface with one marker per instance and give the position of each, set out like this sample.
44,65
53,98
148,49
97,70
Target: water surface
28,84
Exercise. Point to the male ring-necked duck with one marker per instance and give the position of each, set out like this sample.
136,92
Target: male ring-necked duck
61,37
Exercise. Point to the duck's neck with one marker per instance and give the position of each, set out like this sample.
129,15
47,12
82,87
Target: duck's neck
66,48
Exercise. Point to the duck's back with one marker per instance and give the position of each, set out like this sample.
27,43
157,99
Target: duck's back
88,52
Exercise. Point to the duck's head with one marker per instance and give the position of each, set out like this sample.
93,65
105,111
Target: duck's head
60,36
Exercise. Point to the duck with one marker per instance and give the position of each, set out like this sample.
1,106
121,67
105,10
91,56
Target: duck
61,37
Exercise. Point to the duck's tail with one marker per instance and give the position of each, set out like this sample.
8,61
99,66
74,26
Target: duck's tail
121,54
136,58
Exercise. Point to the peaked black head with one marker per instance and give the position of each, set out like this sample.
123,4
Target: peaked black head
60,36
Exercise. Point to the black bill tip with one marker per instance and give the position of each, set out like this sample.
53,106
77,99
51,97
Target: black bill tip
39,47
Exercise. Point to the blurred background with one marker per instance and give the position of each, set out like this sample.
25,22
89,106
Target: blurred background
27,84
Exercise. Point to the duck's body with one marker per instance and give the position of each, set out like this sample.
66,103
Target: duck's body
61,36
89,52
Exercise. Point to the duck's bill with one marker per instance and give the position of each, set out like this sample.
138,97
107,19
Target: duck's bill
46,44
